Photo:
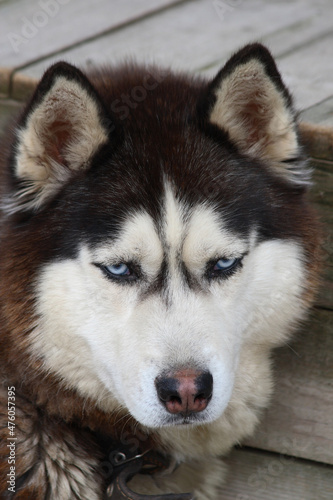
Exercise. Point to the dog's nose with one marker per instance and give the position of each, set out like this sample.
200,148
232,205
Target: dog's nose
185,391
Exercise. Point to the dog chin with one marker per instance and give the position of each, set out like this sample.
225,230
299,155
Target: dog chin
169,420
192,420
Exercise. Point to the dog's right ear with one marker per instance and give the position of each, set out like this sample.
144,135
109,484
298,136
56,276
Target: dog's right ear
249,102
61,129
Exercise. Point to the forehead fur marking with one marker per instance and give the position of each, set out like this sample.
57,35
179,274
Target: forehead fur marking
173,221
173,230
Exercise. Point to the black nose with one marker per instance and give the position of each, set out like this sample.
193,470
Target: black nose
185,391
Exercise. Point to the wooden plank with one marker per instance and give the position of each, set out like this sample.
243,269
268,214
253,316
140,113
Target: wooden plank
299,421
312,81
35,29
179,36
321,113
296,47
5,75
322,197
257,475
8,109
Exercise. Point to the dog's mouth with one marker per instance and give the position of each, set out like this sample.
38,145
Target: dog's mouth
183,419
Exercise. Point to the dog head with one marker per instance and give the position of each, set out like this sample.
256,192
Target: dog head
164,243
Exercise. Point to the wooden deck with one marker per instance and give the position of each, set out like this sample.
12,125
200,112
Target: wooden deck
291,455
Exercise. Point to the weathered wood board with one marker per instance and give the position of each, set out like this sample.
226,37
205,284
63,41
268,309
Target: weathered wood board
32,30
322,196
313,80
255,475
299,421
8,109
321,113
5,77
200,35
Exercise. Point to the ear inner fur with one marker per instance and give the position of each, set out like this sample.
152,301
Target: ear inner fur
249,101
61,130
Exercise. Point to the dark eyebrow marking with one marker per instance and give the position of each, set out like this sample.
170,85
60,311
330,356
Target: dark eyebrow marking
159,284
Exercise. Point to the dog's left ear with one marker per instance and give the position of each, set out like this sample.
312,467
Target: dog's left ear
249,101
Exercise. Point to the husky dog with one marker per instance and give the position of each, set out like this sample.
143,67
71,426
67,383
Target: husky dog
156,244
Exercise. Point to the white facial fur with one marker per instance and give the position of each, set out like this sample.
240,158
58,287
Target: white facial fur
111,340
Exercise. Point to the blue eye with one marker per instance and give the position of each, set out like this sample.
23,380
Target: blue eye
223,268
225,264
118,270
121,272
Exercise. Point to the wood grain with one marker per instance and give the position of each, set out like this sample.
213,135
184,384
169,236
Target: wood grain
320,114
299,421
322,197
32,30
200,35
255,475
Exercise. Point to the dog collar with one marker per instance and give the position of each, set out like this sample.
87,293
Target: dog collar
126,466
